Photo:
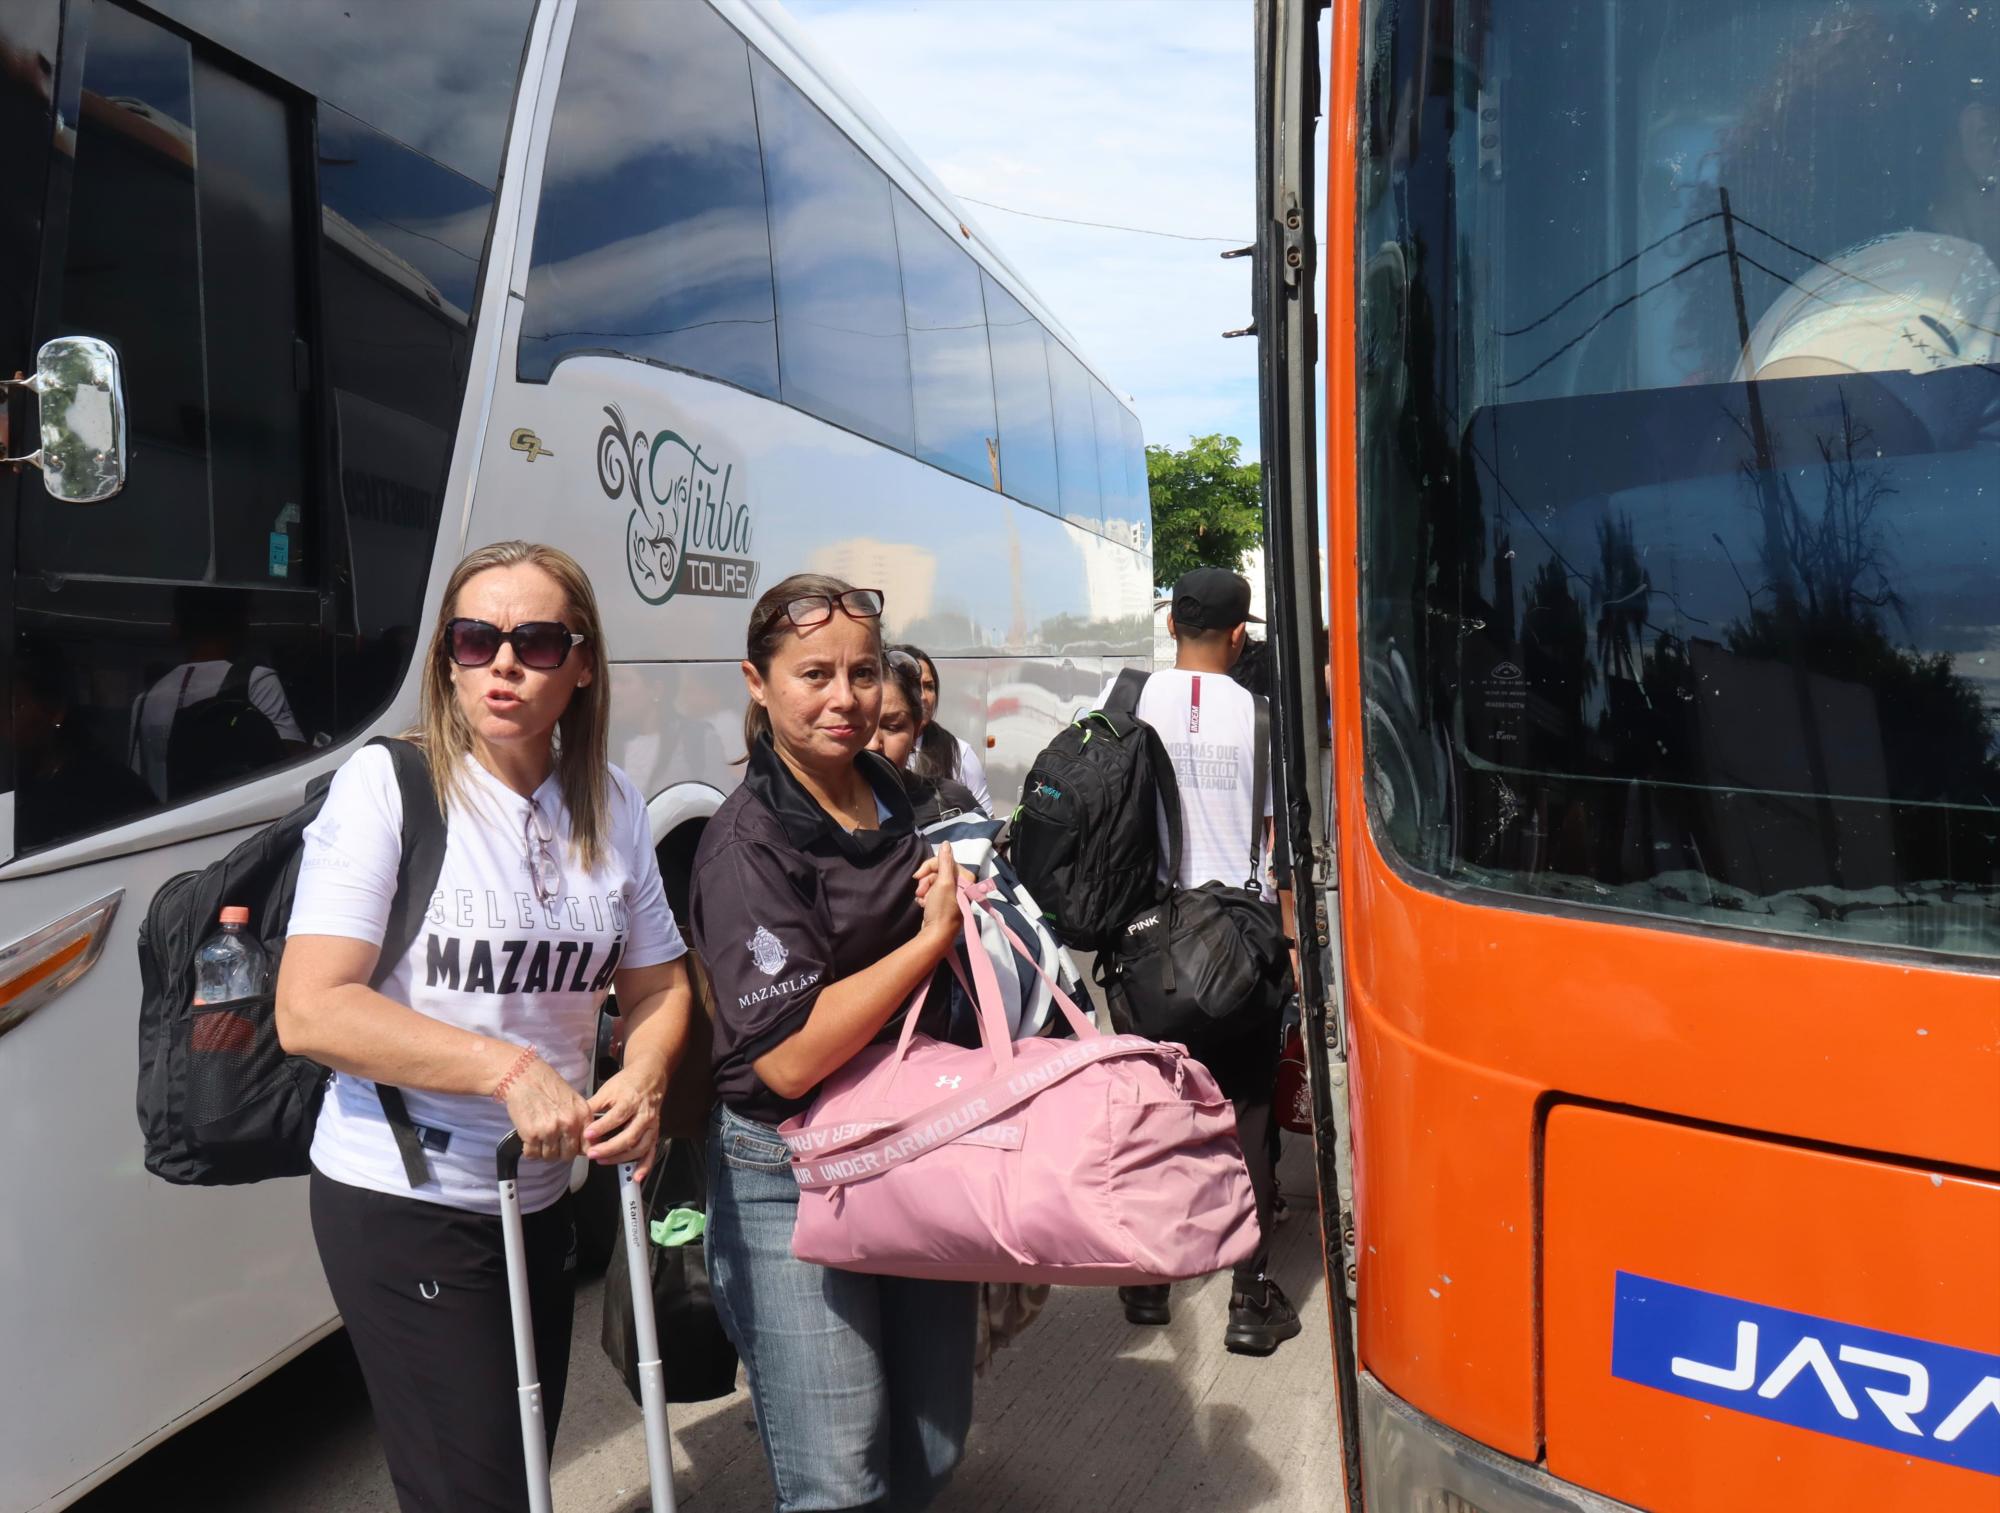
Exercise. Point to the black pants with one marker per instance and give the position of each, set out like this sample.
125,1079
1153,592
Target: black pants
422,1289
1248,1072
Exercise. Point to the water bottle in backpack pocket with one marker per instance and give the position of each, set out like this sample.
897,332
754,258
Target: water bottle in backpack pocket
232,1033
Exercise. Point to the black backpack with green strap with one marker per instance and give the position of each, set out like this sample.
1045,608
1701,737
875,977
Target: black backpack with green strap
1086,837
220,1101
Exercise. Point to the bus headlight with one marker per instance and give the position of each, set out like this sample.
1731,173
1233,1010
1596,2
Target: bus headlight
35,968
1410,1463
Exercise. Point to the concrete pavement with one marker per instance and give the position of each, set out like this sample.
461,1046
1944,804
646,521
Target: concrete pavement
1083,1412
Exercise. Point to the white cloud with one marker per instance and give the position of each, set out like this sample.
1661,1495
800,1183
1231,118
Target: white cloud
1137,112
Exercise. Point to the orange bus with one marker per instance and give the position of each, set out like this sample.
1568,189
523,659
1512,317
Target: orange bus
1661,845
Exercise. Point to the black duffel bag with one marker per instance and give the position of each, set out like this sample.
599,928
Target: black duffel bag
696,1358
1207,965
1205,968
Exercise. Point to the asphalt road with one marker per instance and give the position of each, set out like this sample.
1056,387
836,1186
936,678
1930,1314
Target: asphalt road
1083,1412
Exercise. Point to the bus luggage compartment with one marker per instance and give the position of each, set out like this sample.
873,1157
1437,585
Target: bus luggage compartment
1736,1323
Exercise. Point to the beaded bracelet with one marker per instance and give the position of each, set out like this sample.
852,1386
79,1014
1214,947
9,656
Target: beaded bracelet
529,1055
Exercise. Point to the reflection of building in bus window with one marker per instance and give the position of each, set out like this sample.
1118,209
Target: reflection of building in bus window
66,783
217,716
1884,132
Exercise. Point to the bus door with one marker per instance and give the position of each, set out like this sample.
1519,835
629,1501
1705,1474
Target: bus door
175,232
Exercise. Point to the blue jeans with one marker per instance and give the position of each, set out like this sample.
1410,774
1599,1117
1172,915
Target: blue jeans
862,1384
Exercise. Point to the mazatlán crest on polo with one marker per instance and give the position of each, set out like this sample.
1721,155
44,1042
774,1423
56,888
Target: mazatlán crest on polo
768,952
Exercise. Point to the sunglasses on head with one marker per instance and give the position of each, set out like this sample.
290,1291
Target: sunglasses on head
541,644
809,610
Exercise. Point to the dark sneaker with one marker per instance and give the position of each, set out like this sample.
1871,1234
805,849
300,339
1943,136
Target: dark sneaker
1260,1321
1280,1209
1146,1305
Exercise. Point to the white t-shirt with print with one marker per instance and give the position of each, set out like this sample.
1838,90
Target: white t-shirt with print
490,957
1208,723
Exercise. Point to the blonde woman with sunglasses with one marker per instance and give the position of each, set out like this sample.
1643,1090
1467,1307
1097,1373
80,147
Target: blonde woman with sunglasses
548,898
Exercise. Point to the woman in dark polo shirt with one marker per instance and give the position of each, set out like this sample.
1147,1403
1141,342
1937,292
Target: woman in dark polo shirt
819,912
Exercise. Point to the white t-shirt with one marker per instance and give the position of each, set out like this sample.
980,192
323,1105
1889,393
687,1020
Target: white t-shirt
490,958
1208,723
154,710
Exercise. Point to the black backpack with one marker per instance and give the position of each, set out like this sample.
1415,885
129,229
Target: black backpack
220,1102
1204,966
1086,838
220,739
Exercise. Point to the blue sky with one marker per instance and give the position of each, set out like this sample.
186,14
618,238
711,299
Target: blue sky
1136,112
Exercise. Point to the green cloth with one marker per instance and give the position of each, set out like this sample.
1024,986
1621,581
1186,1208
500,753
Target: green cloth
681,1226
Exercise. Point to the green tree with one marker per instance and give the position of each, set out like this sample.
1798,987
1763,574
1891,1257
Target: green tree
1207,507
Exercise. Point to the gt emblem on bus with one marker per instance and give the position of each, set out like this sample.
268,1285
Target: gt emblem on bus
525,440
1896,1392
685,534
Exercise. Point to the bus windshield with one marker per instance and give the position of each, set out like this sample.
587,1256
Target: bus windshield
1680,469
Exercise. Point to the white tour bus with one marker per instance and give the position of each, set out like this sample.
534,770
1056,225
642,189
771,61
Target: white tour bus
384,282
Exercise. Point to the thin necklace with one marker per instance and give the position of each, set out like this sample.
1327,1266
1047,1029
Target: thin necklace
834,809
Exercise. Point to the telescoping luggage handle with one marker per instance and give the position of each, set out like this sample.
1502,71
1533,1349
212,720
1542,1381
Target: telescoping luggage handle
652,1382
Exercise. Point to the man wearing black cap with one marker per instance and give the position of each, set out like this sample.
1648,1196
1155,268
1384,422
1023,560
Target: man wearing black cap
1208,723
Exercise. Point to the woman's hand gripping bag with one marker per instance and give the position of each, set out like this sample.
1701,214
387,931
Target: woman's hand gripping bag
1107,1159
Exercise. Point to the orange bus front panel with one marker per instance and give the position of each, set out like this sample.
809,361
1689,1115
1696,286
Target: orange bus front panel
1739,1324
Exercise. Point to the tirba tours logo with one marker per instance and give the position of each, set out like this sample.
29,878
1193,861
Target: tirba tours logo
686,534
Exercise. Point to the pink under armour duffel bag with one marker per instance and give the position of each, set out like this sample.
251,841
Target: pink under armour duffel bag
1107,1159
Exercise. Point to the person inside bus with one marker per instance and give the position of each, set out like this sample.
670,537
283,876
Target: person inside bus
1207,721
898,733
220,715
818,911
939,753
1904,112
549,897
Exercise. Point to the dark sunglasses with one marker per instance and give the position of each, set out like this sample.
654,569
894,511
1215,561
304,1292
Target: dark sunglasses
809,610
541,644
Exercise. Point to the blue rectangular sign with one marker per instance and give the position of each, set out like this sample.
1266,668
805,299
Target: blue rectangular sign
1915,1397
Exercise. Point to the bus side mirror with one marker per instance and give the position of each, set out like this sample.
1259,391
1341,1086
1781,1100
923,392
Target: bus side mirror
82,391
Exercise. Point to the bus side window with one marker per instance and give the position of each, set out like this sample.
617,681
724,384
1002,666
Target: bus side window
1021,395
843,354
294,328
1122,497
1138,484
951,369
1076,437
651,241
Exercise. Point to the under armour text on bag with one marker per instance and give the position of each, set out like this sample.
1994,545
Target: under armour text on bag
1104,1159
